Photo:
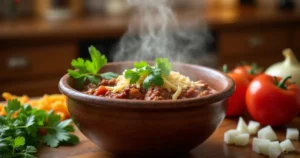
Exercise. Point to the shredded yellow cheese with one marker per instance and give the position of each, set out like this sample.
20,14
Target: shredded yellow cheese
175,82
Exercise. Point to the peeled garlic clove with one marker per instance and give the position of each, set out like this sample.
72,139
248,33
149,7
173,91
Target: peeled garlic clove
274,149
267,133
230,135
292,134
242,139
261,146
242,126
253,127
287,146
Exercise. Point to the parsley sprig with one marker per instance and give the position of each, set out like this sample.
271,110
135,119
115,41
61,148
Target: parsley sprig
154,73
20,130
88,69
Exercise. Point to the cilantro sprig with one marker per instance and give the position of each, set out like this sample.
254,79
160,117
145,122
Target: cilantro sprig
20,130
153,74
88,69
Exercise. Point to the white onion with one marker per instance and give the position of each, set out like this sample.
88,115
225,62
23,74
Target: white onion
253,127
290,66
242,126
287,146
274,149
230,135
261,146
292,134
242,139
267,133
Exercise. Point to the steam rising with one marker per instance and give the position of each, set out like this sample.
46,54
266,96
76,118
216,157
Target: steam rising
154,32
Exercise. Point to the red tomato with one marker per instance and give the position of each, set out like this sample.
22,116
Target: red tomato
101,91
236,103
248,71
270,102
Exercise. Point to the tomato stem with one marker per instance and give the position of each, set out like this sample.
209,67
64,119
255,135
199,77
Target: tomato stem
225,68
255,69
275,80
282,83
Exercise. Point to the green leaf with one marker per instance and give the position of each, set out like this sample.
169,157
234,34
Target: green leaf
79,64
140,64
30,149
93,79
53,119
75,74
152,79
132,75
98,59
62,135
64,123
40,116
69,128
109,75
90,67
29,121
2,120
13,106
164,65
80,82
73,140
19,141
51,140
26,155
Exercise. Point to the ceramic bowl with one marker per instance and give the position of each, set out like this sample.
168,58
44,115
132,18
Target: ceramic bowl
135,127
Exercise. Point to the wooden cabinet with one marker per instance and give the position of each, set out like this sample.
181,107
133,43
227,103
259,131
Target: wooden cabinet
260,45
35,69
296,43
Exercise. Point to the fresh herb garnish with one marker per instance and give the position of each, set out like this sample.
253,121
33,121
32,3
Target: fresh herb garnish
20,130
88,69
153,74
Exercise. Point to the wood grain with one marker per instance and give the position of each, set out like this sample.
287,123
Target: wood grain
214,147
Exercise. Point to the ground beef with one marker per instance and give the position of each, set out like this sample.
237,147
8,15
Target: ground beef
153,93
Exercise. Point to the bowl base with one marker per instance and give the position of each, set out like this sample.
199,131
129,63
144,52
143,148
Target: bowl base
156,155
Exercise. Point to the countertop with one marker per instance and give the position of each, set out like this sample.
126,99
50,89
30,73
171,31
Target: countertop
108,26
214,147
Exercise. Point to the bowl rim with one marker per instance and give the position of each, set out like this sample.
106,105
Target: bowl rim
97,101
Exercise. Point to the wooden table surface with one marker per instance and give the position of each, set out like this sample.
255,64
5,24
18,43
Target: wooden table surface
214,147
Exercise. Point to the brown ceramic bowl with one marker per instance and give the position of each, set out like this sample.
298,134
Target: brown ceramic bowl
135,127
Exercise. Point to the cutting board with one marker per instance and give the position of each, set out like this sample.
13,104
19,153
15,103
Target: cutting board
214,147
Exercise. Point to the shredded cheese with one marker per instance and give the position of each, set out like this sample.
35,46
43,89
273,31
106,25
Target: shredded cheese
175,82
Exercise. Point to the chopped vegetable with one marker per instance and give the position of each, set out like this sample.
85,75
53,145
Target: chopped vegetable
19,130
229,136
242,126
250,71
287,146
272,101
56,102
274,149
153,75
267,133
242,139
88,69
253,127
236,104
261,146
292,134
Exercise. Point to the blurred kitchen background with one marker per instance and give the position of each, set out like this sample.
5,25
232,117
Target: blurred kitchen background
39,38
